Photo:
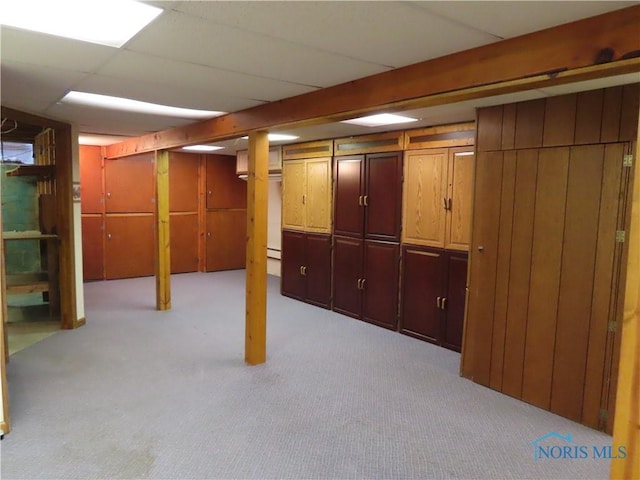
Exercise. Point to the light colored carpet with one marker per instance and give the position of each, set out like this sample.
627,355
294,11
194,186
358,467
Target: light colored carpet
143,394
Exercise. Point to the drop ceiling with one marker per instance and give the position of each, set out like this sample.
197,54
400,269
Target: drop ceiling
217,55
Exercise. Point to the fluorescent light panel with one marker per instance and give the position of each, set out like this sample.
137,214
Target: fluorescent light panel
129,105
109,22
202,148
380,120
275,137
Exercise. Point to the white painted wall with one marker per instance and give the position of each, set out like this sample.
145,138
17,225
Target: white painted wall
77,226
274,236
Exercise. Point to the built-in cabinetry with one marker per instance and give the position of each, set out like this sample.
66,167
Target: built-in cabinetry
306,267
306,222
366,234
433,295
437,197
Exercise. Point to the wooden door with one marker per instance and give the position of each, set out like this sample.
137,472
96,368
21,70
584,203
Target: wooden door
424,197
226,239
224,188
422,285
130,246
383,196
184,173
318,195
456,288
91,194
318,269
459,195
380,286
293,194
348,207
347,275
293,282
130,184
183,236
92,247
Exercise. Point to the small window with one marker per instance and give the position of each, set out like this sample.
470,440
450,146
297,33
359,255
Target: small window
15,152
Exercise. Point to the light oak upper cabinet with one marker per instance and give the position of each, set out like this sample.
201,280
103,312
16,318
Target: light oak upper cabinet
437,197
306,195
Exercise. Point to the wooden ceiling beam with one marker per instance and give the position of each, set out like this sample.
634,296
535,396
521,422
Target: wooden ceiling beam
595,47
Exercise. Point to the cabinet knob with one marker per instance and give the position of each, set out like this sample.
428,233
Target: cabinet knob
209,192
108,236
481,248
108,194
208,234
443,303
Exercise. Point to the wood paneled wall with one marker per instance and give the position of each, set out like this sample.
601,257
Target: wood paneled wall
550,194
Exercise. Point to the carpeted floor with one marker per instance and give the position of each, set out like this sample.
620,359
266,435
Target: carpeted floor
143,394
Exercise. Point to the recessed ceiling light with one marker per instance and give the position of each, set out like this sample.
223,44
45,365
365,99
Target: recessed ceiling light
202,148
110,23
275,137
126,104
380,120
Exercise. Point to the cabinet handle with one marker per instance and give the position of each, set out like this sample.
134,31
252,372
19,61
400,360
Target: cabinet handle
443,303
449,203
438,303
444,200
365,200
360,200
359,284
362,284
301,267
304,271
304,199
108,194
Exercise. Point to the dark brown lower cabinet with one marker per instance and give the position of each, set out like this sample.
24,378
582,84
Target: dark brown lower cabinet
433,295
365,280
306,267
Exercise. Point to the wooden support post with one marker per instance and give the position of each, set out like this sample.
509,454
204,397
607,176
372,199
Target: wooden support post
626,427
163,253
255,350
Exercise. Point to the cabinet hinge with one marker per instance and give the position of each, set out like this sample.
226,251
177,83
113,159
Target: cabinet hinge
620,234
627,161
612,326
603,416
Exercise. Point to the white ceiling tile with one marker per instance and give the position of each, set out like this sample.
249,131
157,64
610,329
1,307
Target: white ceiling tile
174,36
387,33
137,67
510,19
51,51
34,88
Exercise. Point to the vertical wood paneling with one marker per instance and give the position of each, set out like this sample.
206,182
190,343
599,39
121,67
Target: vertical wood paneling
611,111
519,271
529,124
508,127
502,268
629,113
559,120
484,251
576,285
489,128
548,227
588,117
424,192
601,311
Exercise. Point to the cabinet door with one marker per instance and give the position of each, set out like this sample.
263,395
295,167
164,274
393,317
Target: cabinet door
130,246
318,269
424,197
91,197
293,259
130,184
348,209
347,273
226,239
92,247
383,196
380,303
184,173
460,191
422,284
455,300
224,188
318,195
184,242
293,191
